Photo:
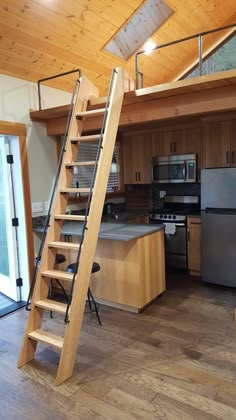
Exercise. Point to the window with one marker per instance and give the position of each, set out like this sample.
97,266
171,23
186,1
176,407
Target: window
83,174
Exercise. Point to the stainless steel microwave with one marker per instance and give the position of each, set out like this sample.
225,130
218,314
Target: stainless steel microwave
174,169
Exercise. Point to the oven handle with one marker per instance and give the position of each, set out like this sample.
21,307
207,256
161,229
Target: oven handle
179,224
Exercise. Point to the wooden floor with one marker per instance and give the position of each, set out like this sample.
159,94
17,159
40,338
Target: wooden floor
176,360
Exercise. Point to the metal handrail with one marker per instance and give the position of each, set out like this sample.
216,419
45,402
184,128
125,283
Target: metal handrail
47,221
158,47
54,77
100,147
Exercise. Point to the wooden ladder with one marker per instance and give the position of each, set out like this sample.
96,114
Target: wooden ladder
74,310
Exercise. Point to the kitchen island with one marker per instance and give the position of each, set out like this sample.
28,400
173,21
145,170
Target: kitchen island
132,263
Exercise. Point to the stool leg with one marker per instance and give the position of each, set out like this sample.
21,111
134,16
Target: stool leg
95,306
89,301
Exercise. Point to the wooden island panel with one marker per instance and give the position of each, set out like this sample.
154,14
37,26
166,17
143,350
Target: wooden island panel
132,273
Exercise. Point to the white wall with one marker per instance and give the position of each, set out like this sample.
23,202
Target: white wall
17,97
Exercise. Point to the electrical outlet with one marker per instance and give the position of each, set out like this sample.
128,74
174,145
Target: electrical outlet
46,205
37,207
162,194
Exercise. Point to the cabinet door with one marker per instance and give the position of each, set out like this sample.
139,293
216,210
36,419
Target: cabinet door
217,144
194,240
193,143
137,159
233,143
168,142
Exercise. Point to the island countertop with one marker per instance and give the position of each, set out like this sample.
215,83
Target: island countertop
111,231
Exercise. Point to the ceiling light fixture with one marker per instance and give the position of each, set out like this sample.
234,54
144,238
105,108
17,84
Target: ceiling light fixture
149,46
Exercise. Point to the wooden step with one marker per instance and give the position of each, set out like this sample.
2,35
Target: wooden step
56,274
73,164
74,190
92,137
64,245
51,305
72,217
47,338
89,114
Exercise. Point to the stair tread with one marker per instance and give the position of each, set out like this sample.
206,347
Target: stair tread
75,217
91,113
47,338
91,137
52,305
64,245
85,163
57,274
74,190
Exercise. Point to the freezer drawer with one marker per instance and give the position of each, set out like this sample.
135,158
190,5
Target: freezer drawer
218,249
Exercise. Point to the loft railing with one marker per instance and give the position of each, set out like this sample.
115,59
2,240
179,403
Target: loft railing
54,77
199,36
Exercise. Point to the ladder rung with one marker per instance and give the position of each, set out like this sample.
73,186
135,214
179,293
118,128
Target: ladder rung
73,217
92,137
56,274
64,245
88,163
74,190
51,305
47,338
92,113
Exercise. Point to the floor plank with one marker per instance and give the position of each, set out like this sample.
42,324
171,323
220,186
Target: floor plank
175,360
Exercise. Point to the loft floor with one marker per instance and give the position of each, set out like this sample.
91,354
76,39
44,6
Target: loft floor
176,360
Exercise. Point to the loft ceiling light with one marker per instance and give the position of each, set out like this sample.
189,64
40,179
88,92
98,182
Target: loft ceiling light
148,47
141,25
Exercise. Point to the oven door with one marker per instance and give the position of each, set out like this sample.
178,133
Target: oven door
176,247
165,172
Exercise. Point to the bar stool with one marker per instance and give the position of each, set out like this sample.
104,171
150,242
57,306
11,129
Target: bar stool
96,267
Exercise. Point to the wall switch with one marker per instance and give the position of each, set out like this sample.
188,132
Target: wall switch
37,207
46,205
162,194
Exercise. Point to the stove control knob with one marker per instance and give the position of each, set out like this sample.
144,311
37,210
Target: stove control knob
165,216
169,217
174,217
161,216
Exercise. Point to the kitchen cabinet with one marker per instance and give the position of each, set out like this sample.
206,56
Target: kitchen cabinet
194,243
143,220
137,159
168,142
219,149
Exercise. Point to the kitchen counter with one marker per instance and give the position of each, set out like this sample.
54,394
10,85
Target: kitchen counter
111,231
132,261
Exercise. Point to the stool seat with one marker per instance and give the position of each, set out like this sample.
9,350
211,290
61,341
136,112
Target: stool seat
60,258
71,267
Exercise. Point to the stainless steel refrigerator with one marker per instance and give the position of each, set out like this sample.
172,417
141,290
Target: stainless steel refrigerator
218,235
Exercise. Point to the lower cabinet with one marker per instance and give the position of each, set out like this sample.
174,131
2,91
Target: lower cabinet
194,242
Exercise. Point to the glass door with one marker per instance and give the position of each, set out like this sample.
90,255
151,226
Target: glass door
8,238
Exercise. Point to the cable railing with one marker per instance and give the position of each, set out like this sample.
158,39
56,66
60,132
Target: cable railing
54,77
199,37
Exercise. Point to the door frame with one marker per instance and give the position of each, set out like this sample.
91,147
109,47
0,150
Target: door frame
19,130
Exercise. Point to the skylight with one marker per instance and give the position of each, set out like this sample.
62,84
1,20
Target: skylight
140,27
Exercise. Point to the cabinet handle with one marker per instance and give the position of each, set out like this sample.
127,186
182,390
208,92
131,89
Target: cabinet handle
139,177
227,157
136,178
174,146
171,151
188,235
232,159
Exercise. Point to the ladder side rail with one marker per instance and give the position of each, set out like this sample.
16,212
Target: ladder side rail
28,348
100,146
47,221
76,313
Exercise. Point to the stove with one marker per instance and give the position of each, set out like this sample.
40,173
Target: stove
174,216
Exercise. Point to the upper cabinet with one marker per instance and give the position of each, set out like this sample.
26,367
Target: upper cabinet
218,145
168,142
137,159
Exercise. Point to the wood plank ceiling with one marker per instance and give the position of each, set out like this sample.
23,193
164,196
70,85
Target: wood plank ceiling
40,38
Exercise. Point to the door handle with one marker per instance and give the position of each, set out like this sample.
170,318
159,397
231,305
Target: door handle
232,157
188,235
